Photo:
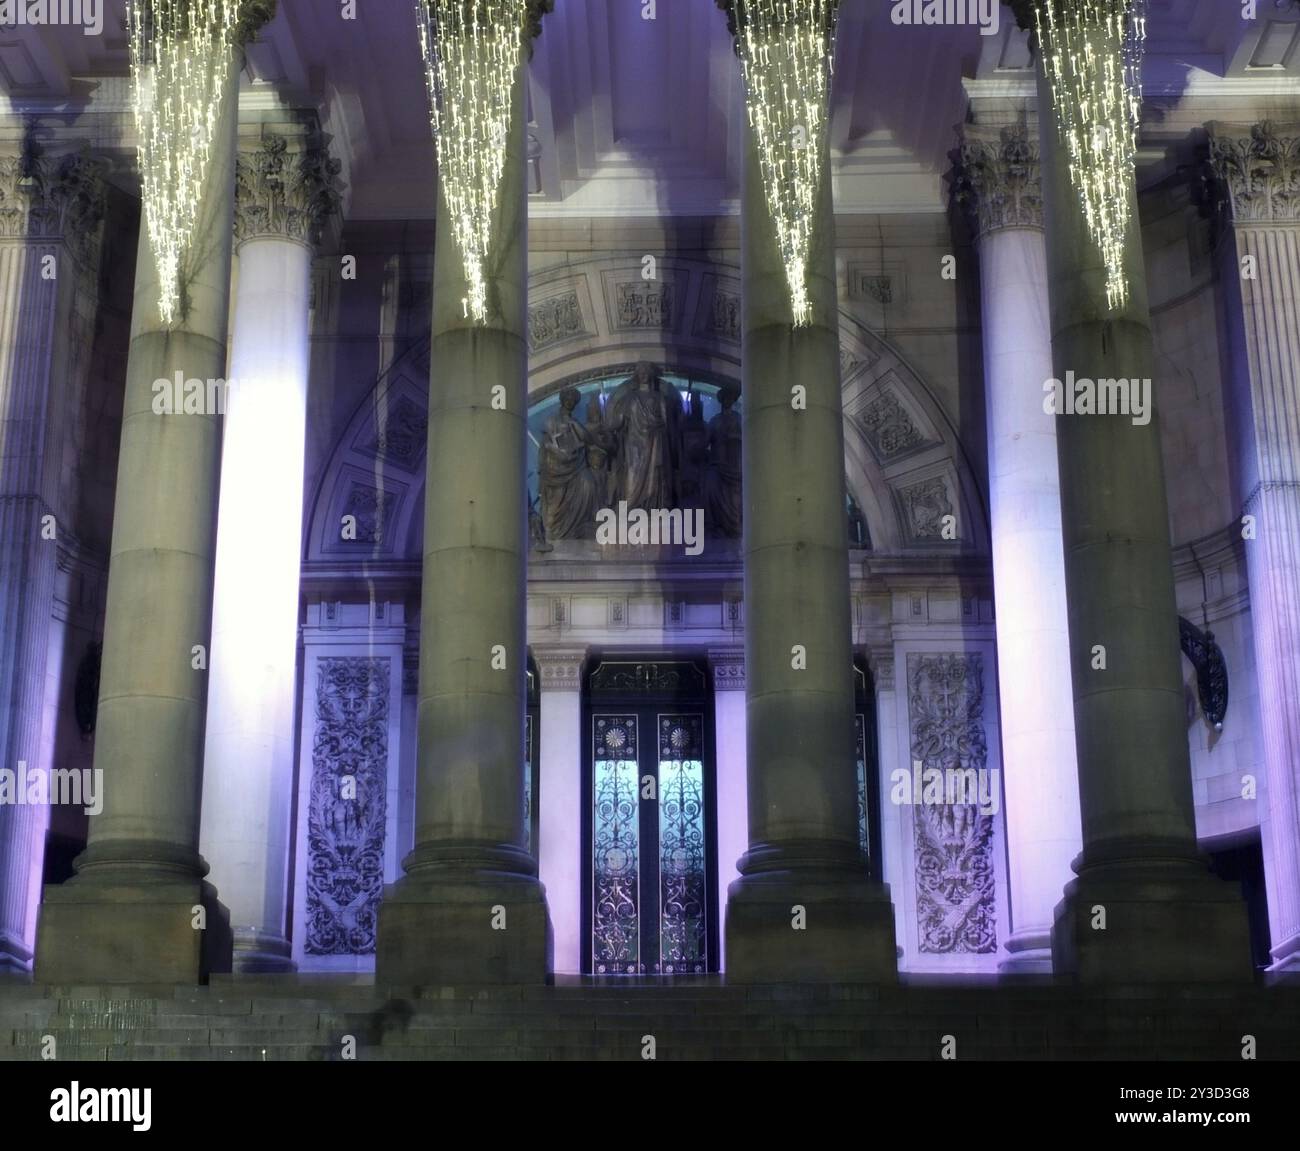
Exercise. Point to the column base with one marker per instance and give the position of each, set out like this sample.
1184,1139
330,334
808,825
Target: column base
121,932
261,953
448,925
1166,921
15,957
844,935
1028,953
1285,958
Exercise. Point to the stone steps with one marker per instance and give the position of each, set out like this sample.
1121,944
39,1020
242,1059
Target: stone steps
277,1019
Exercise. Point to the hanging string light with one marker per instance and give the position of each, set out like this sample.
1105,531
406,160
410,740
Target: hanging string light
471,50
786,49
1092,56
181,52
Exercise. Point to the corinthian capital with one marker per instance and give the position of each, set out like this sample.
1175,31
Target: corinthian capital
999,181
284,189
1259,167
53,198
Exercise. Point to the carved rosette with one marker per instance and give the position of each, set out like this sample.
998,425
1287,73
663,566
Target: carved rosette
284,190
560,669
1258,168
728,667
999,182
54,199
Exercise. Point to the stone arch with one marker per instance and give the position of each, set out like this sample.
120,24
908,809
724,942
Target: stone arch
903,458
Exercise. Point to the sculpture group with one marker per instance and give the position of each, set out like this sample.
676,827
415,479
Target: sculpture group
645,447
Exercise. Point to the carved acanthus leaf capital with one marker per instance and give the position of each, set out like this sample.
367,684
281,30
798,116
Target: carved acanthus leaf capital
1259,168
254,15
284,190
999,181
53,198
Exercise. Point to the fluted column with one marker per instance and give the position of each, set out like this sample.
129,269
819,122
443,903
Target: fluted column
44,245
284,193
470,908
1143,906
803,907
1001,185
137,909
1260,165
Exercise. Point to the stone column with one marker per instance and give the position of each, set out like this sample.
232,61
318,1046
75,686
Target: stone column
129,914
728,668
1166,918
1260,165
46,245
470,908
802,789
559,849
283,189
1000,183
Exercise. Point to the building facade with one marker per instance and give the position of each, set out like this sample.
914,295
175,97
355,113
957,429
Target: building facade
632,633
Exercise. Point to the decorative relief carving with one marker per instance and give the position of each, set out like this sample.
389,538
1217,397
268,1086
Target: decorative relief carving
956,909
373,510
1261,170
560,670
883,285
889,428
725,315
925,505
284,191
49,198
644,304
555,319
401,436
999,181
345,827
728,670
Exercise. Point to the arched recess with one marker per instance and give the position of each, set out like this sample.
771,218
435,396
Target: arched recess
903,458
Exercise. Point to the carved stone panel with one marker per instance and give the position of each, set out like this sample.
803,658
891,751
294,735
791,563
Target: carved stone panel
925,505
956,908
399,436
556,319
345,827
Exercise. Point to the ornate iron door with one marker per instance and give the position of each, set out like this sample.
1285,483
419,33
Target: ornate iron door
650,889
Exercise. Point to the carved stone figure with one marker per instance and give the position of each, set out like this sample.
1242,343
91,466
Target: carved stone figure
724,506
642,418
693,455
562,466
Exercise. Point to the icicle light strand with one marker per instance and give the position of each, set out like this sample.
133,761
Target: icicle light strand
1092,56
786,49
471,49
181,53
